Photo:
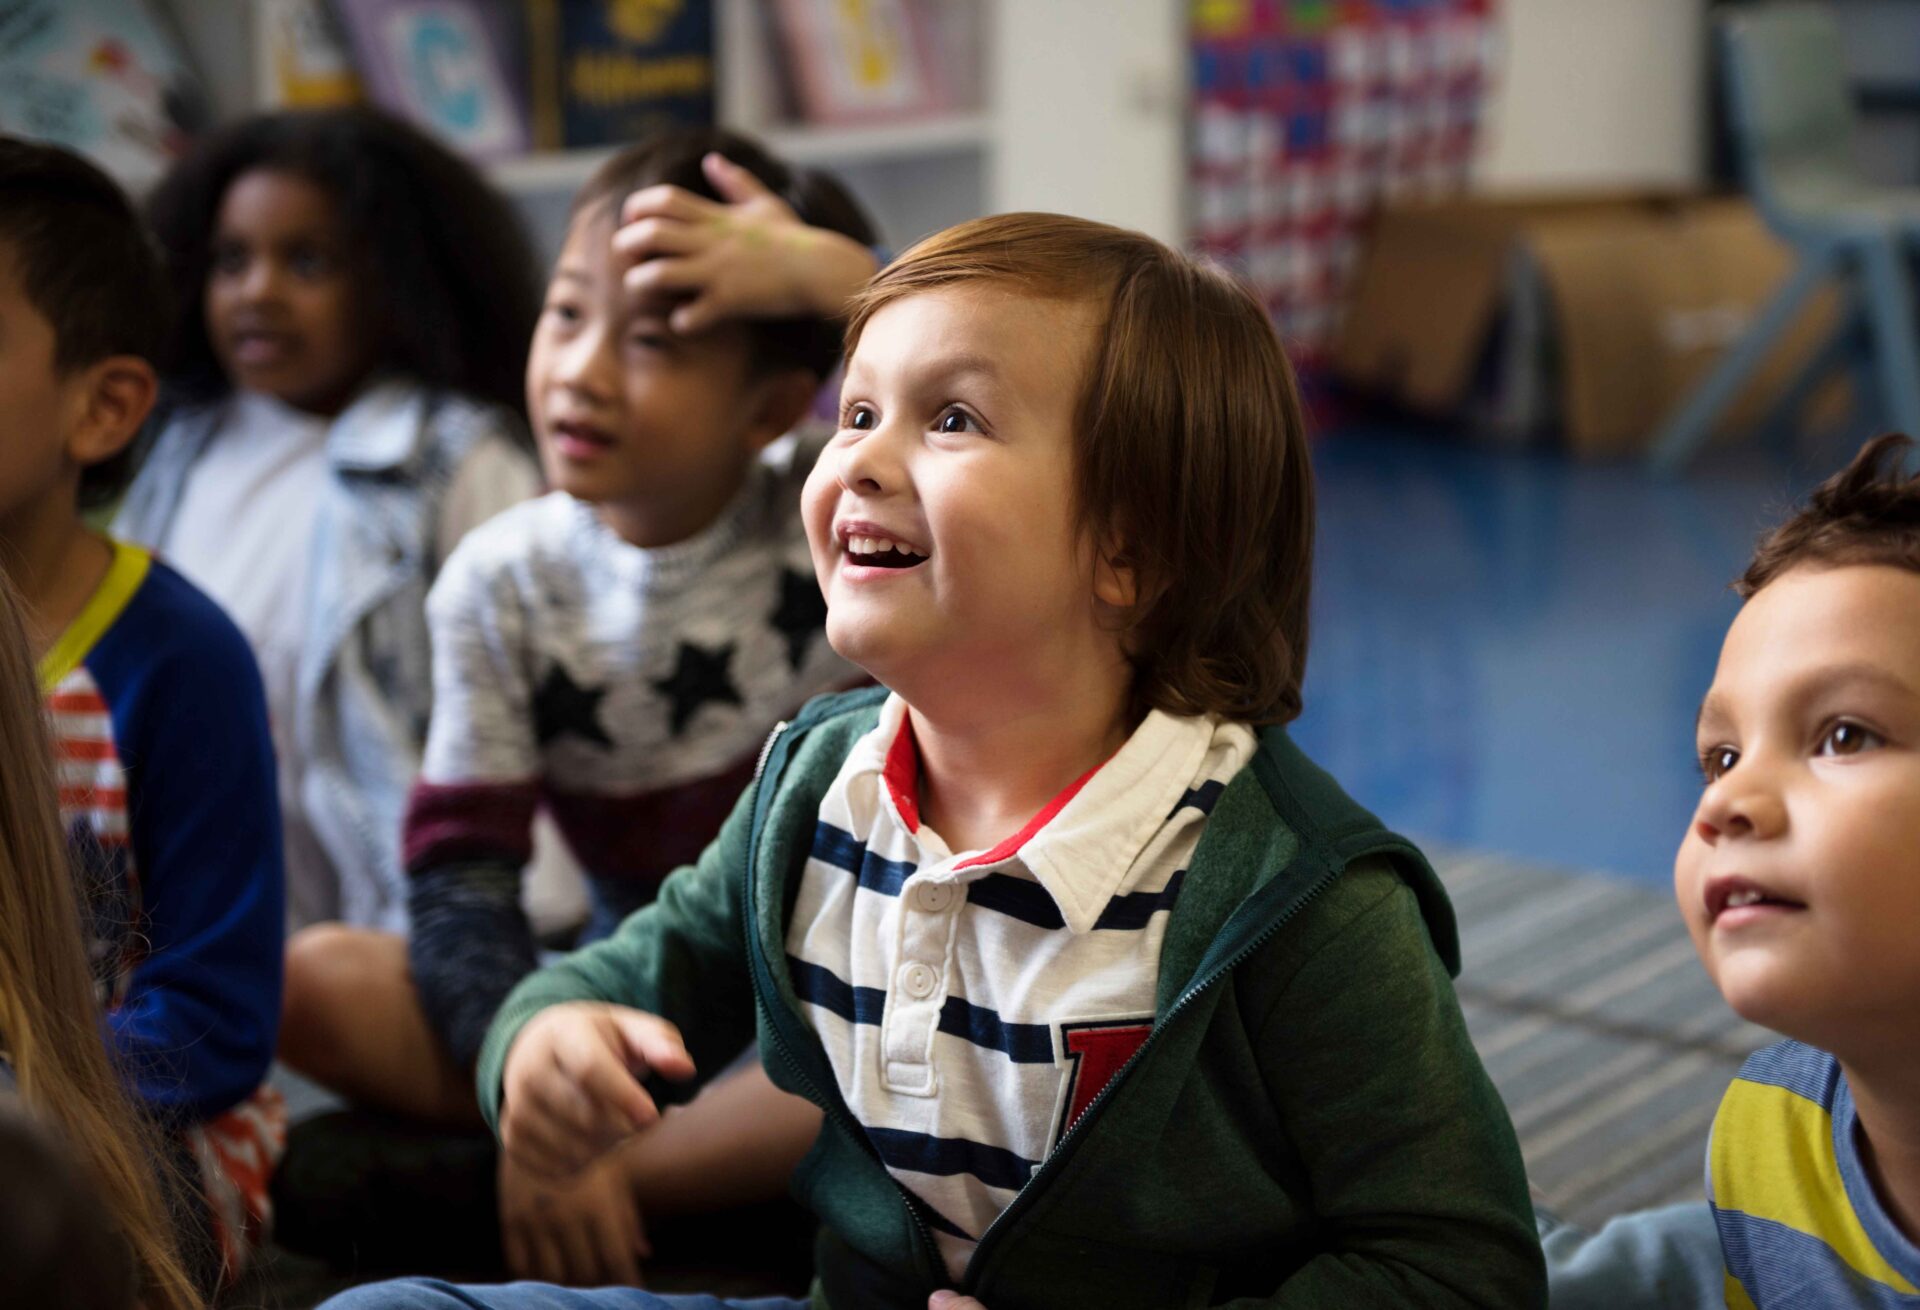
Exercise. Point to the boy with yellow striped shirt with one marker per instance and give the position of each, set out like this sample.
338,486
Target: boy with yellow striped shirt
1799,879
155,708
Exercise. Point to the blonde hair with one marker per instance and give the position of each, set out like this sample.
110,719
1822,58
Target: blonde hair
50,1028
1190,453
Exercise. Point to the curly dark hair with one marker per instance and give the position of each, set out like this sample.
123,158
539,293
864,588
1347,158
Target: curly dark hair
672,158
1867,513
87,264
453,284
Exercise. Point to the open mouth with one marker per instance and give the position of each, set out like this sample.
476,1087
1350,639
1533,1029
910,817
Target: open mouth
1737,900
580,439
882,553
260,345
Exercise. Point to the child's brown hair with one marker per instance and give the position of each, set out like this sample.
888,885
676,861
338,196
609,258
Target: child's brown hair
1190,452
50,1029
1867,513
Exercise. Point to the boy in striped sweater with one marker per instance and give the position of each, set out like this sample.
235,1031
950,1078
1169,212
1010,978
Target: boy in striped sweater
159,721
1799,879
1107,995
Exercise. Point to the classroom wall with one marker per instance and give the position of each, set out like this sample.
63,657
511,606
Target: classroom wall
1597,93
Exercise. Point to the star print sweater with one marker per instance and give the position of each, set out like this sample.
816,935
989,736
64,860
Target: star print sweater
626,690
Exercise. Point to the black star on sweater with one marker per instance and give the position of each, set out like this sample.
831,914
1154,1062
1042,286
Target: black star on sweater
700,676
802,612
560,706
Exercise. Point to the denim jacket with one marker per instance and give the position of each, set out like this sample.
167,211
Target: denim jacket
365,680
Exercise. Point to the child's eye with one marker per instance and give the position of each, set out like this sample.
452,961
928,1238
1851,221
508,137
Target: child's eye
564,312
858,417
1848,738
309,262
229,257
955,419
1715,761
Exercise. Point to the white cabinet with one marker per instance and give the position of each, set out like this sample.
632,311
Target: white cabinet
1082,110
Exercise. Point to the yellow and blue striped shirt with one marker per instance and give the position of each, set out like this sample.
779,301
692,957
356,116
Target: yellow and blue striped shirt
1799,1222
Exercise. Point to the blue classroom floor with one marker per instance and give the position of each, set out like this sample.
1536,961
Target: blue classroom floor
1509,648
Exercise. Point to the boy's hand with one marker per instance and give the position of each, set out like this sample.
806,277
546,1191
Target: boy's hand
572,1083
945,1299
751,257
586,1232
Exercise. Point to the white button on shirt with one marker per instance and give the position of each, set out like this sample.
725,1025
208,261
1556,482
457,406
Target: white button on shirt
956,993
932,897
919,981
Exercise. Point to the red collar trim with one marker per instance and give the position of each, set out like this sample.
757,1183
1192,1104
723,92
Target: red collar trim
1035,824
902,774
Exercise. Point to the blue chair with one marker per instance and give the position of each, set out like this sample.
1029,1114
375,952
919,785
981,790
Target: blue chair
1791,121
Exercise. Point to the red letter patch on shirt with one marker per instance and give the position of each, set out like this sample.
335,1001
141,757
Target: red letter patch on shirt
1097,1051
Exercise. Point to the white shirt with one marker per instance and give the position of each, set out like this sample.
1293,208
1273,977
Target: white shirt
972,1004
244,534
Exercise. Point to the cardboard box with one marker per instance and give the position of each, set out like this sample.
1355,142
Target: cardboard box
1641,293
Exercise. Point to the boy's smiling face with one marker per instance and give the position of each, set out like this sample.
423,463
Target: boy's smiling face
1799,877
941,517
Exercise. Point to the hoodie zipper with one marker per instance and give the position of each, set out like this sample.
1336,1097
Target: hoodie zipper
834,1106
1057,1156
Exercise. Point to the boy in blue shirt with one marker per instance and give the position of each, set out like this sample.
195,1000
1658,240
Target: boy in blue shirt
1799,880
1107,995
159,723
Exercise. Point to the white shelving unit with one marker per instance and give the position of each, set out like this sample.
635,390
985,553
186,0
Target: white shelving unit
1081,109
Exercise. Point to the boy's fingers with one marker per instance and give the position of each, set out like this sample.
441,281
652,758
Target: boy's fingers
655,277
665,201
654,1044
620,1105
642,1244
617,1255
564,1106
734,183
695,316
543,1146
515,1249
651,237
547,1259
577,1244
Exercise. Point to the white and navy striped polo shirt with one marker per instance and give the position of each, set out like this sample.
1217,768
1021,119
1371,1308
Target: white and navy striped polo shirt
972,1004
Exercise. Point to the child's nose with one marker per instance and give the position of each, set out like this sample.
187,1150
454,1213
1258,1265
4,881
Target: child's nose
585,364
260,280
867,466
1735,806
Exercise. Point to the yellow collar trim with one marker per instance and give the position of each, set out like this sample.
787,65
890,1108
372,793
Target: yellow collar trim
124,576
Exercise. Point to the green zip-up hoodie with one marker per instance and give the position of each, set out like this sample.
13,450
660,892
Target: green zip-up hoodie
1307,1125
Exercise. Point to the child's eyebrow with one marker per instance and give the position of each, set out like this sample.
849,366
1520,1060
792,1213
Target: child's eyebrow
941,371
1822,681
571,275
1863,675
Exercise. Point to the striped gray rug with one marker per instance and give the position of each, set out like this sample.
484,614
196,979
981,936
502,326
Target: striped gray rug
1599,1027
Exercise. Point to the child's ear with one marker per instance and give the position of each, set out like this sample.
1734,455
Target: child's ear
785,397
1114,583
114,398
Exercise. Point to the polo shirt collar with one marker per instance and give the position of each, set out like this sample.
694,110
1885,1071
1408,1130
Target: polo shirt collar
1083,845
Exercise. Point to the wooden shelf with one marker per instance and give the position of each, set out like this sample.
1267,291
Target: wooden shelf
806,144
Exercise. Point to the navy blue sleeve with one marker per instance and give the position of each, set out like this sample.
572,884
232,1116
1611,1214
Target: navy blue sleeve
469,944
197,1028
